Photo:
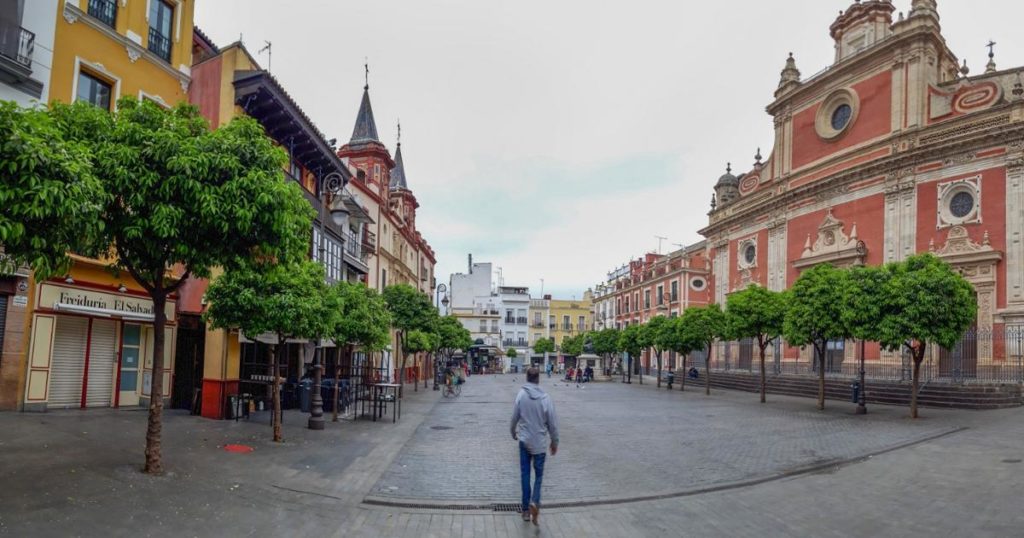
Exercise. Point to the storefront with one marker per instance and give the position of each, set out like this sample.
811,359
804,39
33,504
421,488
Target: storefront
92,346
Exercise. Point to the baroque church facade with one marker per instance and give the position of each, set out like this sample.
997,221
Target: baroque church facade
893,150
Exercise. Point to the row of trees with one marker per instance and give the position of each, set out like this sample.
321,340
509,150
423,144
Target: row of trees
903,305
157,194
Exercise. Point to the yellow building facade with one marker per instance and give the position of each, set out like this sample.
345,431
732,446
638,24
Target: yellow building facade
569,317
139,48
90,331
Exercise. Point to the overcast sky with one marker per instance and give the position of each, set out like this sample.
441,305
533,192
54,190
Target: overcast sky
556,139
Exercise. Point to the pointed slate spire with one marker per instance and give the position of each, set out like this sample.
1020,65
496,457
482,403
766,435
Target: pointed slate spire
365,129
398,172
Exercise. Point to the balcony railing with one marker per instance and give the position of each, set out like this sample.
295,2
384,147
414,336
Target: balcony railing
16,43
159,44
105,11
514,342
521,321
537,324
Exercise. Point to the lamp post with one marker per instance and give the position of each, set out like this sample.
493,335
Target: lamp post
862,406
332,184
441,288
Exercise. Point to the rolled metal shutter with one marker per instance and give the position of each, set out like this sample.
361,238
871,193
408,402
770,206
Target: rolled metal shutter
102,349
68,362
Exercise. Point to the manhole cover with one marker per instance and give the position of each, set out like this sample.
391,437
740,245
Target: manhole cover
440,427
1013,460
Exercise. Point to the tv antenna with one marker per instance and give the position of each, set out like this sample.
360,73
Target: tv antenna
660,239
267,48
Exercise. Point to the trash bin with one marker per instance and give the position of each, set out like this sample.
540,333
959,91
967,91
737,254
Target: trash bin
305,395
855,389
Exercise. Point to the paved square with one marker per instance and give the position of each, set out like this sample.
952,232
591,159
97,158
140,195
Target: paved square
625,441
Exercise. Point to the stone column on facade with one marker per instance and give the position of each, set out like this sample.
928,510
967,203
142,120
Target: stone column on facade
1015,230
900,218
777,254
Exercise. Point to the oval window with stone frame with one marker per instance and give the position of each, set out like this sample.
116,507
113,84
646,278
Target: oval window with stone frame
841,116
750,254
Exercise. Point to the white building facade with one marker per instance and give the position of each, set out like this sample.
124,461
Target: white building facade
26,50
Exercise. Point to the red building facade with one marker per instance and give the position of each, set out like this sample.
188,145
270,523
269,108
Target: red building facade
892,150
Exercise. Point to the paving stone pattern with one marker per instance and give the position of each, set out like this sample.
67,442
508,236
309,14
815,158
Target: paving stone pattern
622,441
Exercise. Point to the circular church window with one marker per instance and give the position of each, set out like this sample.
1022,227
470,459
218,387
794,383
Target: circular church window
841,116
961,204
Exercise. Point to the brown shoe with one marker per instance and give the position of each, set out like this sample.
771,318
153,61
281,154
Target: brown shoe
534,512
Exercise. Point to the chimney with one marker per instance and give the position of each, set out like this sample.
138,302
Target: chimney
470,263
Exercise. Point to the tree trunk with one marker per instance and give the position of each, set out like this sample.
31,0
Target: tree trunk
658,384
154,427
401,370
821,378
641,369
764,385
416,374
682,382
707,372
918,357
276,398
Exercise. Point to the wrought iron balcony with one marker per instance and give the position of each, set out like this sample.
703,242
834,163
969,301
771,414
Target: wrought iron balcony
105,11
16,43
521,321
159,44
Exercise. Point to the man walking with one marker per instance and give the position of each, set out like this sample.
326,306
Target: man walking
533,420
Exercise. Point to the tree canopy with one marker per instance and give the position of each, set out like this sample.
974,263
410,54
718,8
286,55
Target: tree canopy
757,313
924,301
605,342
631,340
160,190
544,345
512,353
50,197
573,345
452,336
364,319
410,308
701,326
289,301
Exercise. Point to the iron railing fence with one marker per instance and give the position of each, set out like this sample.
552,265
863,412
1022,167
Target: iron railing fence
160,44
16,43
104,10
991,355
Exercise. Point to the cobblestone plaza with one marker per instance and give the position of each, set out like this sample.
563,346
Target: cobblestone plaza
719,465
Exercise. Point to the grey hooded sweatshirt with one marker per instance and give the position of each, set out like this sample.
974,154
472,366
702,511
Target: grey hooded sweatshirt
534,415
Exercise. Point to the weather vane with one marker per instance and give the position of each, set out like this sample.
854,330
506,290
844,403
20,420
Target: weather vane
991,48
366,66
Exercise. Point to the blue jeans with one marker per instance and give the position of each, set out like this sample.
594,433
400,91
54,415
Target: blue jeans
524,468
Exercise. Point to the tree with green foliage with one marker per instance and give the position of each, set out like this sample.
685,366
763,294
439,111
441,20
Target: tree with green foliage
702,325
364,322
512,353
453,337
411,310
924,301
631,341
863,310
290,301
606,344
544,345
164,191
573,345
757,313
675,339
656,337
816,314
50,197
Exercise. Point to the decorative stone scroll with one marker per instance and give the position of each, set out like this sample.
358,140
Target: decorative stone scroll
833,246
977,263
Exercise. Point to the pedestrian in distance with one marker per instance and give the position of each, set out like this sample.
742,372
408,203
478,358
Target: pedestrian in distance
535,426
579,376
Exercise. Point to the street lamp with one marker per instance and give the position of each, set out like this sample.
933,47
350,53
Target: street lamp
332,184
441,288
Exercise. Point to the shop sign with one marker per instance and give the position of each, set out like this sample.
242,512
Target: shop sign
90,301
21,300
